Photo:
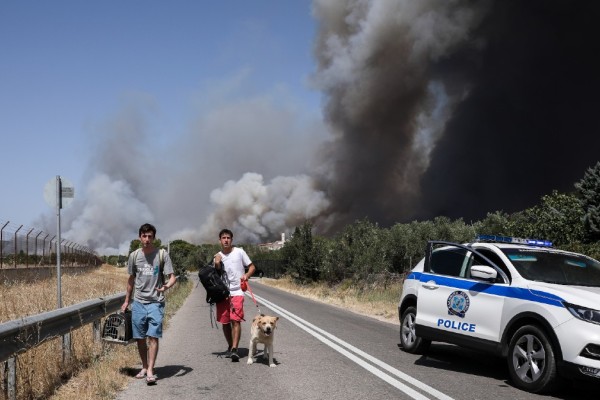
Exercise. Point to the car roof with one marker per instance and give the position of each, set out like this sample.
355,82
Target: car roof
501,246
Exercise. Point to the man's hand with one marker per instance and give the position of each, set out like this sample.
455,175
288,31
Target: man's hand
218,260
162,288
124,306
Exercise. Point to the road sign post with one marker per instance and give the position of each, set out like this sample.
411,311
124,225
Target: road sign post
58,193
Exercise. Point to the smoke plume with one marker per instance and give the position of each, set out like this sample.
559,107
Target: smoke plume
455,108
432,107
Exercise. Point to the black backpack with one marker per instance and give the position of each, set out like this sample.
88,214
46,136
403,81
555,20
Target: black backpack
212,280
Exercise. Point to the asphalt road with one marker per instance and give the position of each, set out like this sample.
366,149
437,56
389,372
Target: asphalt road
322,352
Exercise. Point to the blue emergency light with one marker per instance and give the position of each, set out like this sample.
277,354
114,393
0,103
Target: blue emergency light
514,240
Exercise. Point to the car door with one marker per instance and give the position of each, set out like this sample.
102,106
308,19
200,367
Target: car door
450,302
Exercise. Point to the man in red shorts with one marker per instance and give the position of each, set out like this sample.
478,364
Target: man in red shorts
230,312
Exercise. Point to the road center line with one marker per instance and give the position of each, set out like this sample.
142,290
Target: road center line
323,336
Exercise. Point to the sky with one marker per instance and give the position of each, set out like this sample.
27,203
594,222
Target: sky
260,115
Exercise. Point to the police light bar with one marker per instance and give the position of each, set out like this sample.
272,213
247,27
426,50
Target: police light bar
514,240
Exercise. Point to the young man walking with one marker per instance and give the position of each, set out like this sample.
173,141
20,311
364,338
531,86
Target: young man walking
147,267
230,312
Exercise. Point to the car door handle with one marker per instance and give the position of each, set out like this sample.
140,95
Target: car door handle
430,285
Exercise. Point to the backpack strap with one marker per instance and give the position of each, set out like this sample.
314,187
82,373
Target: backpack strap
161,260
161,264
134,254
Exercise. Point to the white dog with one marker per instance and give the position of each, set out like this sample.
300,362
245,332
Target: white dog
262,331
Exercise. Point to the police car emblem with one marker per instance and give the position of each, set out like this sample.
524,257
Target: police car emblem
458,303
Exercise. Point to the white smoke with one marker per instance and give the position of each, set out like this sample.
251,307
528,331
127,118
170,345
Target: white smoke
241,164
255,210
110,215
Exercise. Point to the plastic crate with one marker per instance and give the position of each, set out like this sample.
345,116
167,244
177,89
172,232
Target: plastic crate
117,328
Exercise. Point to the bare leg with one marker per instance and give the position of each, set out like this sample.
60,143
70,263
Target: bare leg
227,333
236,330
143,350
152,354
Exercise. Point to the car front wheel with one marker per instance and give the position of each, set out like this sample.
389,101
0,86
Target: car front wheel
409,341
531,360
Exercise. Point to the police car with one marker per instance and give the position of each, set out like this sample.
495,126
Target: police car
536,306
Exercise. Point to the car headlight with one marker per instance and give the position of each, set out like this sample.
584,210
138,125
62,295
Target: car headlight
584,313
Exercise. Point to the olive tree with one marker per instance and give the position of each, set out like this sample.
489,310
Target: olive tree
588,189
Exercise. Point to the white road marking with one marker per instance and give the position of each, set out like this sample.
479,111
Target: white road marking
329,340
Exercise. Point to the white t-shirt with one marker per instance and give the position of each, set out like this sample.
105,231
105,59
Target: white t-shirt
234,264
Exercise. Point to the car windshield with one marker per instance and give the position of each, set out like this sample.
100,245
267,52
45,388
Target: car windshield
555,267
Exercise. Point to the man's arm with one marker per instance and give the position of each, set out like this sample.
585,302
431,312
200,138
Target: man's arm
250,272
128,292
172,280
217,261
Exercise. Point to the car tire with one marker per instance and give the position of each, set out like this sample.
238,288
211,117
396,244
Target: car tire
532,361
409,341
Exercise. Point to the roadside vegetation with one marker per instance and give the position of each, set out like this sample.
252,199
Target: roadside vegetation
96,370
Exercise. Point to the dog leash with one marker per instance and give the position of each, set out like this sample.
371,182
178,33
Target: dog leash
252,294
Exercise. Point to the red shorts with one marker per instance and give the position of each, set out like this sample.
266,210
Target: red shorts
230,309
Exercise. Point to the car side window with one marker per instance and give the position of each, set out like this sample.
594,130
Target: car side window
477,260
448,261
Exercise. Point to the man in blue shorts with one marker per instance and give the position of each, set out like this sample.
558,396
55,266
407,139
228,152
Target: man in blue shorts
147,268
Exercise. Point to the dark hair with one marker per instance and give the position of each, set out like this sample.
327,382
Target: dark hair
225,231
147,228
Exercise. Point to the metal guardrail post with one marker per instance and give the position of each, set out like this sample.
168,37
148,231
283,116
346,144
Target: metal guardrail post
66,348
11,378
96,331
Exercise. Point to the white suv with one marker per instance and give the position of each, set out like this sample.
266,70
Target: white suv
534,305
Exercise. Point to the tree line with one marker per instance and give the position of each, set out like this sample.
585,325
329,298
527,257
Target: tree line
571,221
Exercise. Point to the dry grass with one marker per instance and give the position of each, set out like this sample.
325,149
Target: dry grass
376,299
96,370
21,298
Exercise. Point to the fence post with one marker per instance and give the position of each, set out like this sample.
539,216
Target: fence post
27,248
36,246
2,243
15,241
50,250
44,249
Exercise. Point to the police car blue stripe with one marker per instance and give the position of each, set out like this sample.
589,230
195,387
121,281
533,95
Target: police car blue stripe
537,296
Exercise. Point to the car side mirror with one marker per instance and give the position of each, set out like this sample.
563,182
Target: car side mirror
483,272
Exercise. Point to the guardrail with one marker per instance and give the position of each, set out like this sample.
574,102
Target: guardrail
21,335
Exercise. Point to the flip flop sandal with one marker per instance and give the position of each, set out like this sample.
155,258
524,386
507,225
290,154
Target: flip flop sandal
151,379
141,374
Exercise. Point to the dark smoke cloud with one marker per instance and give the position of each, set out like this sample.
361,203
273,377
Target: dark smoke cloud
455,108
530,124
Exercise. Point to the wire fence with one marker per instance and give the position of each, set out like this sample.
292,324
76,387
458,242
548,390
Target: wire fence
25,247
